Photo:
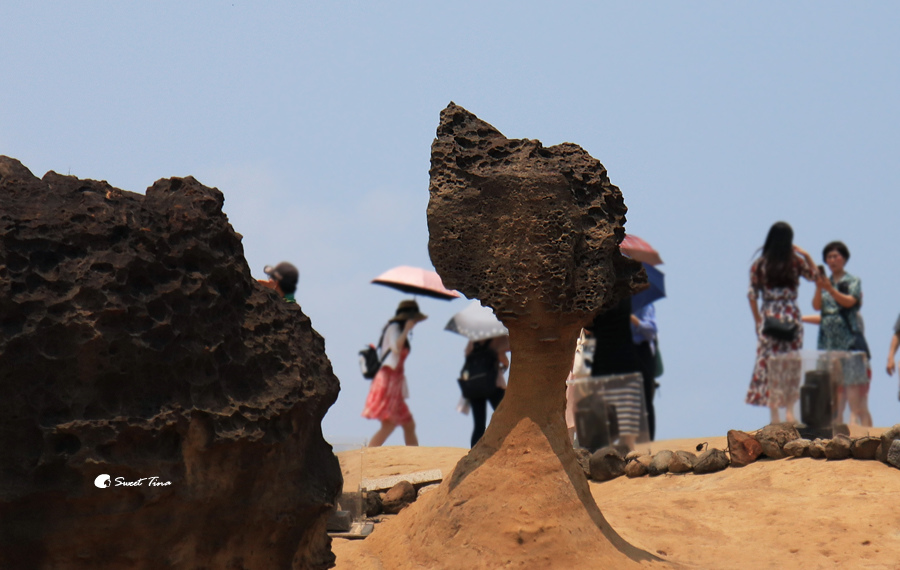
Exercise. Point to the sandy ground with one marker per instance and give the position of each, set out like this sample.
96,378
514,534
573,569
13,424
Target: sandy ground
789,513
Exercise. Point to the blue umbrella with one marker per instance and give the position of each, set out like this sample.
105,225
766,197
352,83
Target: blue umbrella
656,291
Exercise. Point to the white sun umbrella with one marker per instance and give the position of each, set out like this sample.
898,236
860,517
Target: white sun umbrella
476,323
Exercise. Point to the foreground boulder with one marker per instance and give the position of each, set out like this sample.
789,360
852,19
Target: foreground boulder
136,345
773,437
743,448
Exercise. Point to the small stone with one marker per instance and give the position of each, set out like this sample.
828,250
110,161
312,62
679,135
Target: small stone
606,464
710,461
373,503
743,448
838,448
797,448
635,469
660,463
773,438
427,489
682,462
893,454
398,497
865,447
886,439
817,449
584,459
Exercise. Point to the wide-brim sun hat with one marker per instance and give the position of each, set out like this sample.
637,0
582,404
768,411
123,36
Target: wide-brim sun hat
408,310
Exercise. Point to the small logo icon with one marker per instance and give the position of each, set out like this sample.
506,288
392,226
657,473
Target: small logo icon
102,481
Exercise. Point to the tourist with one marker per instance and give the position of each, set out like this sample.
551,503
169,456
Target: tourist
892,351
775,275
283,279
838,298
498,347
387,395
643,334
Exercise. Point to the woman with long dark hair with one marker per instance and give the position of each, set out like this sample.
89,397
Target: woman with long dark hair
775,275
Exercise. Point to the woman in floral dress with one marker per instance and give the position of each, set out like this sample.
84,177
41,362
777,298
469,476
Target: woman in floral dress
775,275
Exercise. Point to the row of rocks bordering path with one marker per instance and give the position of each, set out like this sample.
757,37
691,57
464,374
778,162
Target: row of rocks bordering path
775,441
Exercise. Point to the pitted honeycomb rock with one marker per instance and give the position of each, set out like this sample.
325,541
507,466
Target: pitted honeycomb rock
513,222
135,343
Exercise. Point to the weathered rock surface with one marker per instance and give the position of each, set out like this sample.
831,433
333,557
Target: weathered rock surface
373,503
797,448
584,460
817,448
886,440
865,447
682,462
744,449
893,454
545,220
533,233
837,448
135,343
660,463
773,437
606,464
710,461
398,497
637,468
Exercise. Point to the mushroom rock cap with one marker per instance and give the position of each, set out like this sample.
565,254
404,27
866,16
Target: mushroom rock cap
512,222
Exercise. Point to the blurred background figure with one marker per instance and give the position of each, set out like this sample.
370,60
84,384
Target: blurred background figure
644,334
283,278
838,298
486,357
892,351
481,379
387,395
775,276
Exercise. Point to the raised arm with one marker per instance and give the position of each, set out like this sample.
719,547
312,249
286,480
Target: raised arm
892,352
810,271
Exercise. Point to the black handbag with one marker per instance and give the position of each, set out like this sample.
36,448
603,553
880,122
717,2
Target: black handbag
859,341
777,329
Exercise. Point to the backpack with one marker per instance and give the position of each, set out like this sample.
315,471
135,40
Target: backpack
478,377
369,363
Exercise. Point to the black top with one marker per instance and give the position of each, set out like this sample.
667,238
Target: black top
615,352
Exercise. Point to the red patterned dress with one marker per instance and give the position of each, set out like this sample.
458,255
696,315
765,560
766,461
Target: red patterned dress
779,302
386,399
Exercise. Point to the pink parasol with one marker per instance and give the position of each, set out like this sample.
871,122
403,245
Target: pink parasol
638,249
416,281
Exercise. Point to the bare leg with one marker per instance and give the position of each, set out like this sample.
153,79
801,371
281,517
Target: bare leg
387,428
859,406
409,433
773,411
789,412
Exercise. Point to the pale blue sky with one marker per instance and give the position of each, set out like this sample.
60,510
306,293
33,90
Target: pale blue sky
316,118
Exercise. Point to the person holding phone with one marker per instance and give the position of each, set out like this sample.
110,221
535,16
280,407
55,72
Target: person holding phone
838,298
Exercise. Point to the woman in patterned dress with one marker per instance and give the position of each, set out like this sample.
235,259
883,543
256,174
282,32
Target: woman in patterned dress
839,298
386,399
775,275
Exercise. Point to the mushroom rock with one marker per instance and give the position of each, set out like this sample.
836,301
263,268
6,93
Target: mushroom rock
534,233
136,345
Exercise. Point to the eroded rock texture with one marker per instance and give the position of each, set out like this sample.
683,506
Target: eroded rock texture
134,343
513,222
533,233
